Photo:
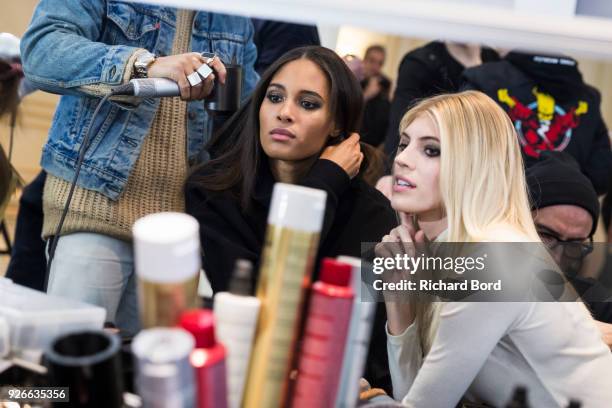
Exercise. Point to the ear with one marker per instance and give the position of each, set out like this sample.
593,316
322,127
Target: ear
334,138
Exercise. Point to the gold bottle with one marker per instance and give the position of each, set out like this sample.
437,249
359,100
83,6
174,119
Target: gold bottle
291,244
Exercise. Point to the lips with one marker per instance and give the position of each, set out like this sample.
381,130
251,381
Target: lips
402,184
282,135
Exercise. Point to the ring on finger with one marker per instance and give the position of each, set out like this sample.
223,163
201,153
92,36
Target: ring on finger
194,78
204,71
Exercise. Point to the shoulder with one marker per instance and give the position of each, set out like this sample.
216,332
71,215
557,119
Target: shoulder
499,73
428,54
372,202
593,94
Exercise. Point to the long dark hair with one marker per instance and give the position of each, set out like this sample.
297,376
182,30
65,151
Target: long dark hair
10,77
236,151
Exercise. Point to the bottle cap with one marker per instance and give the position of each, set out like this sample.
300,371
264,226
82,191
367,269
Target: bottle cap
297,207
167,247
201,324
335,272
161,345
164,375
241,283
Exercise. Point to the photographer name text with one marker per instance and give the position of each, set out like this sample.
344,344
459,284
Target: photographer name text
437,285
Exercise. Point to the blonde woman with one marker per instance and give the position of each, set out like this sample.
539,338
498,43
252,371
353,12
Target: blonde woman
459,172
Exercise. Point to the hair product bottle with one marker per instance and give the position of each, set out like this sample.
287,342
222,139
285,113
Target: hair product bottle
164,375
208,359
292,240
236,314
357,341
327,323
167,261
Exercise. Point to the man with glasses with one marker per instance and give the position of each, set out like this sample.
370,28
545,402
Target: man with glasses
565,209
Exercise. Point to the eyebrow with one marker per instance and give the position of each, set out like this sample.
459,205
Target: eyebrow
546,230
425,138
302,91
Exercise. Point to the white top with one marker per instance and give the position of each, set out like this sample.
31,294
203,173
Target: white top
484,350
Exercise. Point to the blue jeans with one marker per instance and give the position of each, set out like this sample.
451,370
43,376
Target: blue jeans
97,269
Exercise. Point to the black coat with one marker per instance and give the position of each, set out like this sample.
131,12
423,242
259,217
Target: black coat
275,38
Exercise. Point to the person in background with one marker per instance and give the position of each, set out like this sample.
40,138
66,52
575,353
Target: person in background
565,211
27,264
274,38
376,87
376,166
440,352
138,158
298,127
355,64
432,69
552,108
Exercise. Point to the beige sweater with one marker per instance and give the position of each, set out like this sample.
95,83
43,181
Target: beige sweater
155,184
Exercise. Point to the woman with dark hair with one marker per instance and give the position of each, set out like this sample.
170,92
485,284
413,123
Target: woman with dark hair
298,127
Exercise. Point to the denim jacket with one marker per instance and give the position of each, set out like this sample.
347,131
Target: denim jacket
73,44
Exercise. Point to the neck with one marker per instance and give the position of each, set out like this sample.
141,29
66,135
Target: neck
291,172
433,228
467,55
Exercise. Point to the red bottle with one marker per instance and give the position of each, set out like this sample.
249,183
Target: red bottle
208,359
326,328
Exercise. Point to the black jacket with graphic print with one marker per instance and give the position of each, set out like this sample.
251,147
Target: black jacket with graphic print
551,107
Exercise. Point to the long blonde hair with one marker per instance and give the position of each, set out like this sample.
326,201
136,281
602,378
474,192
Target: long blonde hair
482,178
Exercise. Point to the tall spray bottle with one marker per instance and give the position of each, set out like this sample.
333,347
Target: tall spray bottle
324,339
291,244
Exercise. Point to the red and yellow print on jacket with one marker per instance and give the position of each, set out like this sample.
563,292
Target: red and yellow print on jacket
542,124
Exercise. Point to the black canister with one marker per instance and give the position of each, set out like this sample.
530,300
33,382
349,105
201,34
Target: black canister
225,98
89,364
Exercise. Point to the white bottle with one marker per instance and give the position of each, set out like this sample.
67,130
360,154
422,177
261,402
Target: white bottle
357,341
236,314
